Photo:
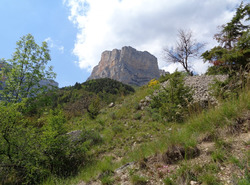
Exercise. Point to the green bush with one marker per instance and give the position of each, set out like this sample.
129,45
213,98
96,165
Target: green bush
172,103
94,108
20,152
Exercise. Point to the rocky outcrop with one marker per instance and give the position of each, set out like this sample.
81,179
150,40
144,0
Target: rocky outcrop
200,86
128,66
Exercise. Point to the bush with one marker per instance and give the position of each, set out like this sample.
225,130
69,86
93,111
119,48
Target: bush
20,152
94,108
173,101
153,82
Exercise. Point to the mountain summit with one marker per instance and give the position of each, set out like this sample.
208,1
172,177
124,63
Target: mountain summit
127,65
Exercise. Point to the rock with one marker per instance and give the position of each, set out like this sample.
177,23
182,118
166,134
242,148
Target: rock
193,182
163,72
200,86
75,135
112,104
128,66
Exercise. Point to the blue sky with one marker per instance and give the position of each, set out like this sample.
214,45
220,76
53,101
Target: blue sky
45,20
78,31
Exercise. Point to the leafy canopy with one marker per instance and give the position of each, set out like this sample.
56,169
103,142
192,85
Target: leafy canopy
21,75
233,51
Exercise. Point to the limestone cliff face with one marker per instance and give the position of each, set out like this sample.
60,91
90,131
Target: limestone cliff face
128,66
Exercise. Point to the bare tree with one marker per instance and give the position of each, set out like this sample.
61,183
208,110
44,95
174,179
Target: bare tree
186,48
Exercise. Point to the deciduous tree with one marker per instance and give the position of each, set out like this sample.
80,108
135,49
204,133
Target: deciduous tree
25,70
186,47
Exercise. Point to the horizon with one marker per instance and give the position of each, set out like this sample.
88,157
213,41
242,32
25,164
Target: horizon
78,31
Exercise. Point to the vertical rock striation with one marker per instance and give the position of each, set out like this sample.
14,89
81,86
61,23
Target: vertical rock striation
127,65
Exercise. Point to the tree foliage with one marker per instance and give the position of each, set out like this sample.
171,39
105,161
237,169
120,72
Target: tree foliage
186,47
22,74
233,51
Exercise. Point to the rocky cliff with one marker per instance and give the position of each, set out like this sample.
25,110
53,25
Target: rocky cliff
127,65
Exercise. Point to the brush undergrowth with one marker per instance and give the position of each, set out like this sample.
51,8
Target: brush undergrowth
127,138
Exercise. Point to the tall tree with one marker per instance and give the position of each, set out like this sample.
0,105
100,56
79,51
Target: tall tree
233,51
25,70
186,47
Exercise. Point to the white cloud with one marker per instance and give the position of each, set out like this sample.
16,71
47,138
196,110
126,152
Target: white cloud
54,44
143,24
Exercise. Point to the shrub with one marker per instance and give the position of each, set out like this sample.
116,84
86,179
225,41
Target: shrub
174,100
20,153
153,82
94,108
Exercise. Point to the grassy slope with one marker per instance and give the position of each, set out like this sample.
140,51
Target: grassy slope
131,134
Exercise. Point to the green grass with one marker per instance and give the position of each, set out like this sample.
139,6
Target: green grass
133,139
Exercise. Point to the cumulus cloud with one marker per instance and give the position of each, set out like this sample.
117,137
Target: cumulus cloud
53,44
143,24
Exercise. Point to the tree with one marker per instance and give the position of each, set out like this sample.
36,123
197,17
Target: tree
186,48
25,70
233,52
173,101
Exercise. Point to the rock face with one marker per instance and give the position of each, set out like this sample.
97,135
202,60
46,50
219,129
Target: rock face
127,65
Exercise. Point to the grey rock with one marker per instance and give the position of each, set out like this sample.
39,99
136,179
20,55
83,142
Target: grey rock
75,135
128,66
200,86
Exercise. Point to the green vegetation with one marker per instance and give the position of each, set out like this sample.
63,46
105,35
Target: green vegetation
71,134
173,102
233,53
25,70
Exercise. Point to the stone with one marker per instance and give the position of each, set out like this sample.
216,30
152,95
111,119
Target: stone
128,66
200,86
111,105
193,182
75,135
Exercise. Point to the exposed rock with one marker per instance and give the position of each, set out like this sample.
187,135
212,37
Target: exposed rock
200,86
193,182
163,72
128,66
75,135
112,104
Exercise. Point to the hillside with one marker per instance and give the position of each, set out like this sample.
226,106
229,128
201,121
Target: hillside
139,147
178,129
81,139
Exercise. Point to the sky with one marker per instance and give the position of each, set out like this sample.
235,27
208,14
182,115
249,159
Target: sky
78,31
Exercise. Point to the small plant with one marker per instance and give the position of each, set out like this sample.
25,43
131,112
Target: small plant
139,180
137,116
168,181
209,179
223,145
117,129
218,156
107,180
